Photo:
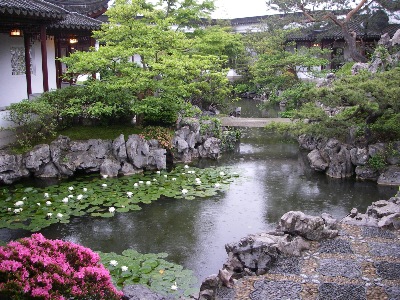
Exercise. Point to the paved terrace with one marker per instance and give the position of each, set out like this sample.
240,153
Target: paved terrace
362,263
251,122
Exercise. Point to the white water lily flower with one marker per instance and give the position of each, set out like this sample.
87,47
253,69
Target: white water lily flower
186,167
148,182
49,214
165,176
140,182
9,209
85,190
136,184
217,185
79,197
124,268
65,200
104,176
38,204
221,173
104,185
111,209
24,198
19,203
46,195
158,172
113,263
184,191
174,287
129,194
17,210
70,196
48,202
154,179
174,179
71,188
59,215
183,173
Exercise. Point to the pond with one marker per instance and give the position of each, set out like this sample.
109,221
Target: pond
273,179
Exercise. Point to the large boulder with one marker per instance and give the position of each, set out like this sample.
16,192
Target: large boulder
210,148
391,176
359,156
119,148
138,150
59,149
37,158
110,167
309,227
12,168
366,173
316,161
141,292
340,165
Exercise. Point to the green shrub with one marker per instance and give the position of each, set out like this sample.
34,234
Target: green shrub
377,162
35,121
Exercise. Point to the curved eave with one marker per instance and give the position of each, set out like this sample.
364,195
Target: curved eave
12,11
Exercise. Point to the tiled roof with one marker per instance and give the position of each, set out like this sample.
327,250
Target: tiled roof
31,9
75,20
85,7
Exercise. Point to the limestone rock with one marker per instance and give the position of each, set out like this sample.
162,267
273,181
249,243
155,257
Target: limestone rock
58,150
210,148
316,161
340,164
128,169
110,167
382,208
140,292
359,156
307,142
157,159
138,150
309,227
396,38
390,221
366,173
48,171
357,67
375,149
119,148
391,176
12,168
37,157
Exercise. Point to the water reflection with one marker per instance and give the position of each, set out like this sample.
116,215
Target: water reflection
274,179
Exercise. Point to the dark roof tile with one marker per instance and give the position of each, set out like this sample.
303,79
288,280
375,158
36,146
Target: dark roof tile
75,20
32,9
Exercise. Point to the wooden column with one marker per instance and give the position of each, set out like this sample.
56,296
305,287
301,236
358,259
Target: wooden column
58,63
93,44
43,48
27,46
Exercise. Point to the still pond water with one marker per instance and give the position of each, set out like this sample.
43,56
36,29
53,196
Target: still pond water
273,179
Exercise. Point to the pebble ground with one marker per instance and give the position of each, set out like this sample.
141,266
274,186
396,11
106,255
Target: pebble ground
361,263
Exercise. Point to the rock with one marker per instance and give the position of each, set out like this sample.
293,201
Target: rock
183,132
357,67
360,220
119,148
208,287
88,155
140,292
376,149
309,227
359,156
382,208
138,150
330,149
128,169
396,38
192,123
257,252
157,159
12,168
48,171
307,142
391,221
384,40
340,164
393,153
59,149
353,212
180,144
110,167
391,176
210,148
316,161
366,173
38,157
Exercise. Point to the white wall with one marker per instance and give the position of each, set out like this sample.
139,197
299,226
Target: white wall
12,87
37,76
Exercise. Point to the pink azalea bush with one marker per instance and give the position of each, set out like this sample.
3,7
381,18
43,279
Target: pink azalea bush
38,268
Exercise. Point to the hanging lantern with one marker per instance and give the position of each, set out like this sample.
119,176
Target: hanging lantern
15,32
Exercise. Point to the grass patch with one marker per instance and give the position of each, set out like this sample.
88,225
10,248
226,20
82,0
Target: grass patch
109,132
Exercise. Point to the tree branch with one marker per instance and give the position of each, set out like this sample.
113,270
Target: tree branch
355,10
306,14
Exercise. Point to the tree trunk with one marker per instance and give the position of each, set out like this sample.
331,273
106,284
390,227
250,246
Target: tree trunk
350,39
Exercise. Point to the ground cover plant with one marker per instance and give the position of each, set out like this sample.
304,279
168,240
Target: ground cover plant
38,268
35,208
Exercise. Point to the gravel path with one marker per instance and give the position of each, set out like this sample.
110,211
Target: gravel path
362,263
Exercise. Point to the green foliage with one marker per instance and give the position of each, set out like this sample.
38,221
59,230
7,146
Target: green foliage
151,270
34,120
377,162
230,138
210,126
345,70
36,208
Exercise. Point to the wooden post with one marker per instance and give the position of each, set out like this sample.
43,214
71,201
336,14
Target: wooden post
93,44
43,47
58,63
27,46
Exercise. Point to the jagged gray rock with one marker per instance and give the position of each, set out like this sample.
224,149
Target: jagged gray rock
110,167
359,156
307,142
38,157
309,227
140,292
340,164
316,161
391,176
12,168
138,150
210,148
366,173
119,148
